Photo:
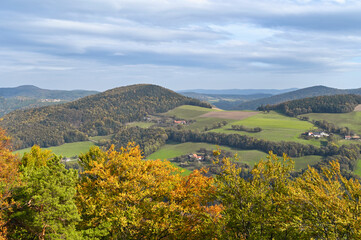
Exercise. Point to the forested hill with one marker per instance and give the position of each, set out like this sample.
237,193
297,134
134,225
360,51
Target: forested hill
298,94
99,114
31,91
320,104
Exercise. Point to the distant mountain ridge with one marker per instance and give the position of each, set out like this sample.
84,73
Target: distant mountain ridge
238,91
29,96
100,114
31,91
298,94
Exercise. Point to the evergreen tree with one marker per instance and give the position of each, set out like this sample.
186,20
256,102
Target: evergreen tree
46,207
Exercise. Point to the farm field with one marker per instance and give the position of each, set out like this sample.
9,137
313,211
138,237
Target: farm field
351,120
140,124
250,157
236,115
275,127
188,112
66,150
358,168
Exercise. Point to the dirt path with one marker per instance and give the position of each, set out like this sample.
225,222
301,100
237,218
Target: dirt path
358,108
237,115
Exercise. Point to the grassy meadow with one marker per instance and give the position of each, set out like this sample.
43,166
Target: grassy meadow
68,150
275,127
188,112
351,120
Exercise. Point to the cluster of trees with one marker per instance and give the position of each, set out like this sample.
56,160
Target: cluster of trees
246,129
245,142
320,104
95,115
118,195
332,128
215,125
149,139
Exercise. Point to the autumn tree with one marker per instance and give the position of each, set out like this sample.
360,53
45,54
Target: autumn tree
273,205
122,196
9,178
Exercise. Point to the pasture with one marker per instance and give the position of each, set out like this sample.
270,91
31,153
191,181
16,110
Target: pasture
188,112
351,120
140,124
275,127
235,115
68,150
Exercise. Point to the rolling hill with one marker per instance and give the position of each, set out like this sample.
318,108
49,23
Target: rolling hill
98,114
238,91
31,91
298,94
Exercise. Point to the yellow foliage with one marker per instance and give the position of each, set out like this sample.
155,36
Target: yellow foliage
122,195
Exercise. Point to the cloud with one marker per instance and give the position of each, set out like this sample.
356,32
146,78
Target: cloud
233,37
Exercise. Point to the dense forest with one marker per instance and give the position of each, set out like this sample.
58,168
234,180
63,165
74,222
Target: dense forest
294,95
100,114
118,195
321,104
148,139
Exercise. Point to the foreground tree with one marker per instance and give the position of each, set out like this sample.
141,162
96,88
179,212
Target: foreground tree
273,205
9,179
122,196
46,207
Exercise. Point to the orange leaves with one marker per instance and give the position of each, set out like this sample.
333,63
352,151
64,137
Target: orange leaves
8,177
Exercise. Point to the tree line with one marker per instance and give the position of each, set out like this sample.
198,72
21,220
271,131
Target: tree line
321,104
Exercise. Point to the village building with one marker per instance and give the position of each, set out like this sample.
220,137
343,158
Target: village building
180,122
195,156
318,134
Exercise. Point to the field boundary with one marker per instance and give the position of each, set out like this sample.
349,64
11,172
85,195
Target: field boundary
236,115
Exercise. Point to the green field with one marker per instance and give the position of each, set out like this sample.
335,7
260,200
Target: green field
358,168
351,120
98,138
140,124
275,127
250,157
188,112
66,150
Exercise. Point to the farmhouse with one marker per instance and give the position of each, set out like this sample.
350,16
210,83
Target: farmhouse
318,134
354,137
195,156
180,122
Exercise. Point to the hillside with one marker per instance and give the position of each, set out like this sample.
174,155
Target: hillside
99,114
24,97
225,101
298,94
320,104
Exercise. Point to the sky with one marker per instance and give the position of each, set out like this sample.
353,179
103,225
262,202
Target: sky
180,44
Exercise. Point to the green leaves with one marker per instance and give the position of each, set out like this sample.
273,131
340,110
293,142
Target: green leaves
46,207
